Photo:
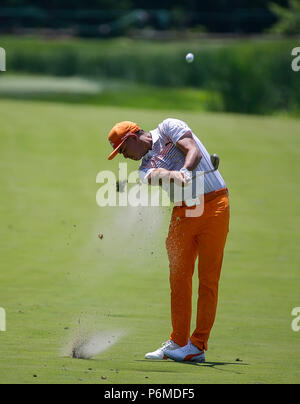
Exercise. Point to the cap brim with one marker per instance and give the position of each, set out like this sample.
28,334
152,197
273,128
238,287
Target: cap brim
116,151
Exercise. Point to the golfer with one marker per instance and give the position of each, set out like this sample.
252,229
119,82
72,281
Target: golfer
172,152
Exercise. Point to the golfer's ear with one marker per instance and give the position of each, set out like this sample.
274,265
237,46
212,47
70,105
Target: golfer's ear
133,136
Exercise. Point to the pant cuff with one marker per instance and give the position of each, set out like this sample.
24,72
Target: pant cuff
202,345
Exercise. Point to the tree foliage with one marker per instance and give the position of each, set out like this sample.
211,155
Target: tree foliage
188,5
222,16
289,18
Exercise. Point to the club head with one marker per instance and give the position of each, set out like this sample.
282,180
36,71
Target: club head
215,161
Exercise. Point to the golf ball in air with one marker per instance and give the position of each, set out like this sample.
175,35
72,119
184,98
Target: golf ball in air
190,57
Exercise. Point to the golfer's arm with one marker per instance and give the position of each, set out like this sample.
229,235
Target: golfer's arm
191,150
158,175
193,157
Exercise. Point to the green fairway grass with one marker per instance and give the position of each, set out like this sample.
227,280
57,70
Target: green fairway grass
58,279
118,93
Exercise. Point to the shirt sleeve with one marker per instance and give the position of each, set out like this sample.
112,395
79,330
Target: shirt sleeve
175,129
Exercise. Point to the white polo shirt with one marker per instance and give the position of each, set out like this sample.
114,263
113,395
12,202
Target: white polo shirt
165,154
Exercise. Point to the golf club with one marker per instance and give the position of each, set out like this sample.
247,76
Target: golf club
215,161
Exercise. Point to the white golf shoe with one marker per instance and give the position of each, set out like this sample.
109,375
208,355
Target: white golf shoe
160,352
188,353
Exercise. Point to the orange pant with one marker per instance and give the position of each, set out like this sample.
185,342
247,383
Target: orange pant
191,237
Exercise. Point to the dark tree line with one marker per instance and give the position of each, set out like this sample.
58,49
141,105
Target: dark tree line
233,16
188,5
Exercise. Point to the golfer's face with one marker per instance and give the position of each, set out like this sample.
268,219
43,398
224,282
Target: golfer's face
132,149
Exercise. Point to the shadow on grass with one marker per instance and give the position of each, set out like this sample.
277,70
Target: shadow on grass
216,365
211,365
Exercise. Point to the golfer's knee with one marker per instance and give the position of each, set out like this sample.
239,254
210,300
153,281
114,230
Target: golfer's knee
209,287
180,278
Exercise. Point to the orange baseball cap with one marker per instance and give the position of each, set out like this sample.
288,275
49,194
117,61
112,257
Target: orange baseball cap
119,134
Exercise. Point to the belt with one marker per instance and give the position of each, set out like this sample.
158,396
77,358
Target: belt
214,194
207,198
